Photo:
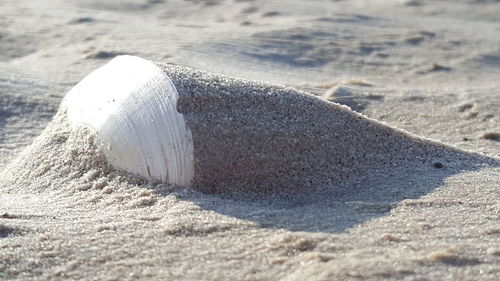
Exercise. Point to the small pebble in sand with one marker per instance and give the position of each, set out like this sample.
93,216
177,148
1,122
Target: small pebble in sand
493,251
465,107
438,67
494,136
443,256
412,3
271,14
494,230
435,68
8,216
82,20
390,237
104,54
5,230
438,165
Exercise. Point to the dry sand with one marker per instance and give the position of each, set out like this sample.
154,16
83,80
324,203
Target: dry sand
386,211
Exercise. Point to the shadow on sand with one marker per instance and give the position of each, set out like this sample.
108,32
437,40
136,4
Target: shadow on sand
335,207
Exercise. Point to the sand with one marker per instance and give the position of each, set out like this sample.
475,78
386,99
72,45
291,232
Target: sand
414,196
249,136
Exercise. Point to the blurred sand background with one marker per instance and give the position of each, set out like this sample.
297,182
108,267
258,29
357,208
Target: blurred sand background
428,67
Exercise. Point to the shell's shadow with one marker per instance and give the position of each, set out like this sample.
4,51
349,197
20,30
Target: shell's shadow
334,207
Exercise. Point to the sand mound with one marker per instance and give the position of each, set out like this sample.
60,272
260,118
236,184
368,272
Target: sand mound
248,136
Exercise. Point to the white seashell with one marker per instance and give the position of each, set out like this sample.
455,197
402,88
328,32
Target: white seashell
132,106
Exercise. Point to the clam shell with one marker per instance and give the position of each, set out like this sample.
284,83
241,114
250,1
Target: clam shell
132,106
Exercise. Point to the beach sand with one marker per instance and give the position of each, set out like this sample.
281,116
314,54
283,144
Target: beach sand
369,150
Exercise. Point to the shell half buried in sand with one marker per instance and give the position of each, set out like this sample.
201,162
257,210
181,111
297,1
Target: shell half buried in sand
215,133
132,106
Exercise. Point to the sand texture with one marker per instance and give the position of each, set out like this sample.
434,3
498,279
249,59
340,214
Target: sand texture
249,136
333,140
